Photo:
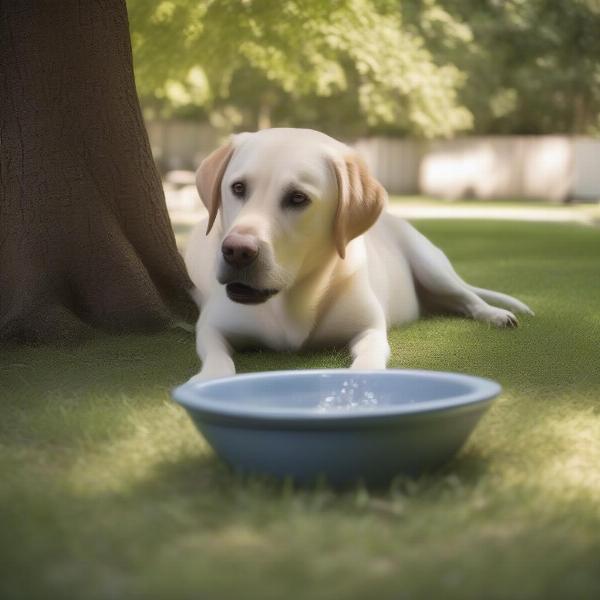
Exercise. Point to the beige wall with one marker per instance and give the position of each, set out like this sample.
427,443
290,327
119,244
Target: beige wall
180,144
586,177
394,162
544,167
499,167
553,168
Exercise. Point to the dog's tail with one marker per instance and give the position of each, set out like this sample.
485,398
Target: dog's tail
504,299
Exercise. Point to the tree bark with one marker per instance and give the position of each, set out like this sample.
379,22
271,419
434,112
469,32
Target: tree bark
85,237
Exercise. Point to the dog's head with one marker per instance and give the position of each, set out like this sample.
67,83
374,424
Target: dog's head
289,199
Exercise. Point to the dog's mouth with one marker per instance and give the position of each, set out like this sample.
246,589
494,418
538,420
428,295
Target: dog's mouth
244,294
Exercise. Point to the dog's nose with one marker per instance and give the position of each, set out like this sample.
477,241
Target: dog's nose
239,249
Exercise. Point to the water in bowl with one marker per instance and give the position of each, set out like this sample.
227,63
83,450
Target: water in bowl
352,395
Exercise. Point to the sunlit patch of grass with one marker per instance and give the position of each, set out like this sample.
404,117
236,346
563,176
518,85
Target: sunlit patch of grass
132,456
107,490
572,469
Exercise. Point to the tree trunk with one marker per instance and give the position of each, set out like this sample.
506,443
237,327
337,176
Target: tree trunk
85,238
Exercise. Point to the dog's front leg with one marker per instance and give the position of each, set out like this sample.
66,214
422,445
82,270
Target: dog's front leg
214,352
370,349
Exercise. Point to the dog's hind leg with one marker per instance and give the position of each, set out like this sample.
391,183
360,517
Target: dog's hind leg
504,299
441,287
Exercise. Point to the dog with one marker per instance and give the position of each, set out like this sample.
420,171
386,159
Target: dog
297,251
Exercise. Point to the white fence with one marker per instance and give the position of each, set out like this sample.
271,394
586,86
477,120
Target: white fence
180,144
537,167
394,162
549,167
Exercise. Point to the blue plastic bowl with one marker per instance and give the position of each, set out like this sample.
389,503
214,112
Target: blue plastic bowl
337,424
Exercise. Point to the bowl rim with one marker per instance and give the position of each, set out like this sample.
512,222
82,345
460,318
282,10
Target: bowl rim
189,395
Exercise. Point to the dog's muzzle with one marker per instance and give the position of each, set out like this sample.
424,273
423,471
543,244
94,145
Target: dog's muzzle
245,294
243,266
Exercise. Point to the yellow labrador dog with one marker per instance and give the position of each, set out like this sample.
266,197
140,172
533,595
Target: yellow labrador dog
297,251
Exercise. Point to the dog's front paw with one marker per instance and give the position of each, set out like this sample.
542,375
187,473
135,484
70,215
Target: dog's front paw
208,376
499,317
368,363
200,377
214,371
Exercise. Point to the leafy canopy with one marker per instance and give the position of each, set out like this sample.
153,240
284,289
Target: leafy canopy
419,67
533,66
239,59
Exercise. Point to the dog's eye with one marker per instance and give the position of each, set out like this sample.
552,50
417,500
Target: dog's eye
238,188
296,199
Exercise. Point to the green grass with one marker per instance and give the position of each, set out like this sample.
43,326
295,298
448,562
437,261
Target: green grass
107,491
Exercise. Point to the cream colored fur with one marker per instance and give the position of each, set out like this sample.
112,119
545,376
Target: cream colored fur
345,269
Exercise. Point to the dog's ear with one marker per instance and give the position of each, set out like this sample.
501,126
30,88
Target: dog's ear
208,180
361,198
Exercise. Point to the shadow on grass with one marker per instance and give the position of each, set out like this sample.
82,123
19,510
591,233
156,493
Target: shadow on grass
105,364
194,474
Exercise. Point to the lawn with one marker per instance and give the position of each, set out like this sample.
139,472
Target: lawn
107,491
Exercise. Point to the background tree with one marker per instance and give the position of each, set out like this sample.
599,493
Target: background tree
282,60
85,238
532,66
406,67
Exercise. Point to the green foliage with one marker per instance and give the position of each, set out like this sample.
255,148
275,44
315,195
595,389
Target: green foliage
240,59
533,66
420,67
